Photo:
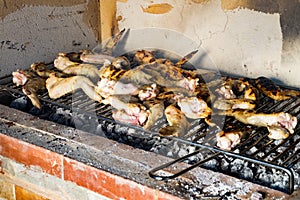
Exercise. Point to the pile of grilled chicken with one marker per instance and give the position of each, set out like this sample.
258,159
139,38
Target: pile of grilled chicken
143,89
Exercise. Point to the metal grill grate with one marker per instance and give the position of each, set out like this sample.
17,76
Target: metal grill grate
257,151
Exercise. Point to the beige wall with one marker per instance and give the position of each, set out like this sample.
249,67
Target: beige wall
248,38
35,31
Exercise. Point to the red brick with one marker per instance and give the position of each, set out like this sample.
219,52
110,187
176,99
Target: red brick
104,183
29,154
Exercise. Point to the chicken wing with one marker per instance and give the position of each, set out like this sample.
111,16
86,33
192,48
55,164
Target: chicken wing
228,104
280,119
42,70
127,109
64,64
270,89
155,110
31,85
164,75
58,87
177,123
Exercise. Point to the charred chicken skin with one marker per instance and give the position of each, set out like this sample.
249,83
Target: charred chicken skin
270,89
177,122
31,85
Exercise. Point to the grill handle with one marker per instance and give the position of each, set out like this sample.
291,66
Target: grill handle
154,173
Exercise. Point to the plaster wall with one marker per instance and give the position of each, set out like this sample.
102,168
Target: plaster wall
35,31
246,38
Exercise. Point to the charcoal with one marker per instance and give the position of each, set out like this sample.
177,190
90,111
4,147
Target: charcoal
42,113
21,103
246,173
265,178
6,97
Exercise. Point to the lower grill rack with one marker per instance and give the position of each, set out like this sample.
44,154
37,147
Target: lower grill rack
230,163
259,159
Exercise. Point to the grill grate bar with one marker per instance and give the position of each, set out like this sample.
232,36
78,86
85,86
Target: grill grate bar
292,159
285,152
274,149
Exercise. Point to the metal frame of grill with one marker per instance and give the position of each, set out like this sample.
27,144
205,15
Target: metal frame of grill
267,152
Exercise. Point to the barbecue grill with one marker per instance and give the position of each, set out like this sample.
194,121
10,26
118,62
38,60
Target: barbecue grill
259,159
240,38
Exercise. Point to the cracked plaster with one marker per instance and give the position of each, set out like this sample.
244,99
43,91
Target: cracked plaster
241,41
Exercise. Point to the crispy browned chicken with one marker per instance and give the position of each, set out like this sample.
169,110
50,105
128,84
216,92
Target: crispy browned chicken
177,123
270,89
31,85
155,110
280,123
42,70
164,75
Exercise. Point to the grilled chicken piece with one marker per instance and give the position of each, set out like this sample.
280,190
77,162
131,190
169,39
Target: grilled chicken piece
106,88
106,52
194,107
164,75
127,109
228,104
186,58
58,87
148,92
155,110
236,88
228,140
178,124
270,89
31,85
64,64
277,133
137,119
111,72
226,92
124,102
280,119
95,58
42,70
144,57
20,77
